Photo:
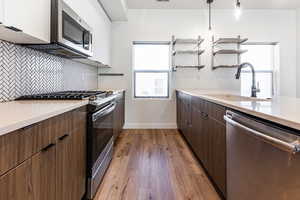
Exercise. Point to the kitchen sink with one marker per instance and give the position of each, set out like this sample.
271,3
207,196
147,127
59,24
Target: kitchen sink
229,97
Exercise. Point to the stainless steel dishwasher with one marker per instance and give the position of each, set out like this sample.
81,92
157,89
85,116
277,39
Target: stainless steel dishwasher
263,160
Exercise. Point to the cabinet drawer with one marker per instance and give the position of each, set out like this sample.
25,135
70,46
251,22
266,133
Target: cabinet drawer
216,112
18,146
78,119
186,99
17,184
200,104
67,123
62,124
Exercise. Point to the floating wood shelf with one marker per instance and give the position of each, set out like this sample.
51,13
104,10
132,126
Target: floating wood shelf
225,66
230,41
91,62
196,52
229,51
106,66
111,74
187,41
189,66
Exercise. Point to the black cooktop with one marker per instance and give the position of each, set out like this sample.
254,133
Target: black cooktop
65,95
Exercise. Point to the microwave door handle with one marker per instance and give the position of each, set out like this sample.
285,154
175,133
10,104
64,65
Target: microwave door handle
84,43
107,110
292,147
83,39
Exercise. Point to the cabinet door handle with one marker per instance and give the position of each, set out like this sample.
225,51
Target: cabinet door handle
48,147
28,127
63,137
13,28
204,115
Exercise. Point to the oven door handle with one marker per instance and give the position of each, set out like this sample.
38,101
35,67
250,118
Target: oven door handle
105,111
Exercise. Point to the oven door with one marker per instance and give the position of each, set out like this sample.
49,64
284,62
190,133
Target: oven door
101,134
74,31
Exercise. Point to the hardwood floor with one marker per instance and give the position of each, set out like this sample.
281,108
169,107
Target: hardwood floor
154,165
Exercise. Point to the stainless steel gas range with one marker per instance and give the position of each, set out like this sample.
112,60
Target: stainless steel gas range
100,140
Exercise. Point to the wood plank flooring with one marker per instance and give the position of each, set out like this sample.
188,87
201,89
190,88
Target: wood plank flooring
154,165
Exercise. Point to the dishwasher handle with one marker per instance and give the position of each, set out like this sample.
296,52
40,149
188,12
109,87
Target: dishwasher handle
291,147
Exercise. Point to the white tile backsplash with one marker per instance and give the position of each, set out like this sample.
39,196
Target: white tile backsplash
26,71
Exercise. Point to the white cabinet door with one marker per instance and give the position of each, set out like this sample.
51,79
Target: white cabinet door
1,11
31,17
102,41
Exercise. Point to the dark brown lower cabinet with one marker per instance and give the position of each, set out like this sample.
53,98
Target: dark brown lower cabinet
201,123
197,133
179,111
119,114
184,115
79,155
17,184
44,174
71,164
65,169
33,179
55,172
200,137
217,153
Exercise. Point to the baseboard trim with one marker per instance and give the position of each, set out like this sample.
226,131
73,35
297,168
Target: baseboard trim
150,126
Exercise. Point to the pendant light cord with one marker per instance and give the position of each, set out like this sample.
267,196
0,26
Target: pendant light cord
209,16
238,3
209,9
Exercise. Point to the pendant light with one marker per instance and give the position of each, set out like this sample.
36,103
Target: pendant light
209,2
238,9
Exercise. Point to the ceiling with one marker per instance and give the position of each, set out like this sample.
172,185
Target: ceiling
218,4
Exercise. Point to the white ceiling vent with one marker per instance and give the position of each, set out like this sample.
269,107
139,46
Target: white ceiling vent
163,0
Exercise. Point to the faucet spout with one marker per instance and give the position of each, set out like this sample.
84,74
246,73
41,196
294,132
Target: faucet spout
254,89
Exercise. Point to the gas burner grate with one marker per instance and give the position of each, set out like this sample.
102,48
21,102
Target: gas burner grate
65,95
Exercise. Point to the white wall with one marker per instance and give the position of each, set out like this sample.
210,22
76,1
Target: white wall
77,76
160,25
298,53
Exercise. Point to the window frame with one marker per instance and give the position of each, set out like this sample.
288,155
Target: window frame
264,71
151,71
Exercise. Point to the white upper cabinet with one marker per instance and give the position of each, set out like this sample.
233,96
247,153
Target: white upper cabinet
102,40
29,22
25,21
1,11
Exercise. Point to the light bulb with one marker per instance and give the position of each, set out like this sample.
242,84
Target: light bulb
238,13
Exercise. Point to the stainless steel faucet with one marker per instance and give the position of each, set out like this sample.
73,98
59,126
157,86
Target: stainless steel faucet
254,89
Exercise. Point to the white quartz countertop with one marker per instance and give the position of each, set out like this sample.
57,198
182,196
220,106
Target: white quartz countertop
115,91
281,110
19,114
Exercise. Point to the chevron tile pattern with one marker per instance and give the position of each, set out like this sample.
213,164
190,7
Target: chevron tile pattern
25,71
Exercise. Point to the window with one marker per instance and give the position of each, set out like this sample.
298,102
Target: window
151,64
262,57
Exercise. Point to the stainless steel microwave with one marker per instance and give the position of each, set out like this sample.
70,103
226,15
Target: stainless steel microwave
71,36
